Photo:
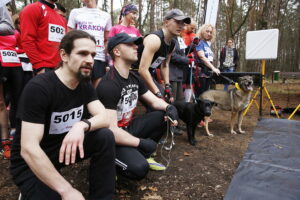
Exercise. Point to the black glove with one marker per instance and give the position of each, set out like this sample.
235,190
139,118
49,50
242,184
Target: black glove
147,147
171,112
168,92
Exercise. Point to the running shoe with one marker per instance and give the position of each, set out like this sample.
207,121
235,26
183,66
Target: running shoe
155,166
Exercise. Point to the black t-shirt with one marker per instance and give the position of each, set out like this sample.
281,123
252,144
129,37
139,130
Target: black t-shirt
46,100
120,94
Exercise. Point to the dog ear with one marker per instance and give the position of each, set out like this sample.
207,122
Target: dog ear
198,100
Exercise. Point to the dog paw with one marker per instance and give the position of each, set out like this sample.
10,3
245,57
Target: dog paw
210,135
233,132
193,142
241,131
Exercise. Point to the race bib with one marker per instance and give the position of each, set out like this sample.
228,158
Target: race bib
9,56
157,62
62,122
55,33
182,45
126,107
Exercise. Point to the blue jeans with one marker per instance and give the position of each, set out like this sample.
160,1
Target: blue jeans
230,69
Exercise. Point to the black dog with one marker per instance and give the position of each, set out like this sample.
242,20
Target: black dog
192,114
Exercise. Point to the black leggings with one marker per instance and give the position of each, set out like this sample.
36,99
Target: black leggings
130,162
13,87
100,146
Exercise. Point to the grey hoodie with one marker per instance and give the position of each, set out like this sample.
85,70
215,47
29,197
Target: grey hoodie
6,23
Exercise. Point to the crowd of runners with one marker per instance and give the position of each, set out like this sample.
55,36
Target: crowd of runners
69,87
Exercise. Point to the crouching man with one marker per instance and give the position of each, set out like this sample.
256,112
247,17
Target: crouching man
56,129
119,91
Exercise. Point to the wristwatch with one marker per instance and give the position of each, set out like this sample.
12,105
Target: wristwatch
88,123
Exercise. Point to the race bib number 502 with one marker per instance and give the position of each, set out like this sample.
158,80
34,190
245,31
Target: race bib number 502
55,33
9,56
62,122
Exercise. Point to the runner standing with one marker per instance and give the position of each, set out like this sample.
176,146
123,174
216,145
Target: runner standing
98,24
156,51
127,18
42,30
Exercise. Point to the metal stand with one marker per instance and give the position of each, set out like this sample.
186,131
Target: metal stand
261,89
290,117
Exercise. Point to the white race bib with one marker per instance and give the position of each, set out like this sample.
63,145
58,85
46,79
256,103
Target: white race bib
182,45
62,122
157,62
9,56
99,44
26,66
55,33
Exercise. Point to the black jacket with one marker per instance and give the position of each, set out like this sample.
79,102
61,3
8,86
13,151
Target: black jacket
178,62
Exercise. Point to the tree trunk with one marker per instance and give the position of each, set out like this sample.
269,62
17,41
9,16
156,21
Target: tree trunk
140,16
112,11
152,15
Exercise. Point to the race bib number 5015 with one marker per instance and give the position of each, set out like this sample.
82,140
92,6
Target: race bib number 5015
62,122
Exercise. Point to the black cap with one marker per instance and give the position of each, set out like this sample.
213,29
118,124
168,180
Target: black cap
122,38
178,15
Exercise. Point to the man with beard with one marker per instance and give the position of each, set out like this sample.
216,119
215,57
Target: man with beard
56,129
120,90
42,29
156,51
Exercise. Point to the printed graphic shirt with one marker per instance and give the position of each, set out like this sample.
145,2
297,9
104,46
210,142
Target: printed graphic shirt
229,58
93,21
120,94
205,47
130,30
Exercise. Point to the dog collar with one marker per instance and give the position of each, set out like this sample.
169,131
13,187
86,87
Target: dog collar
237,86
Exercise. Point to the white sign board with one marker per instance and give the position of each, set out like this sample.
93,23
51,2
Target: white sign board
4,2
211,12
262,44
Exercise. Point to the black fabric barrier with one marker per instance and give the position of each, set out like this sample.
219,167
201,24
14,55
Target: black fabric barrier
270,169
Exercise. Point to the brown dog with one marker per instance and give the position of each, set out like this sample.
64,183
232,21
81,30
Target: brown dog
235,100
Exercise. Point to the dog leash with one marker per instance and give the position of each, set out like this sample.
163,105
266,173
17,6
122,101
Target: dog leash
170,147
231,82
227,79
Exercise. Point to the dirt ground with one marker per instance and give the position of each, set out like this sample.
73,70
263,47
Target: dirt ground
196,172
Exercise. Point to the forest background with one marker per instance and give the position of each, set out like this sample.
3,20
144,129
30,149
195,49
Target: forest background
235,18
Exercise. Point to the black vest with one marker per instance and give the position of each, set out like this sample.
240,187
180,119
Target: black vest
159,55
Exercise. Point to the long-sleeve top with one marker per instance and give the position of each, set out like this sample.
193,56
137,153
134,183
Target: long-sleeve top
42,30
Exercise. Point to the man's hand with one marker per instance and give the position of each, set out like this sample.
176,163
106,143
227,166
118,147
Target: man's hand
171,112
168,93
216,70
72,194
72,141
147,146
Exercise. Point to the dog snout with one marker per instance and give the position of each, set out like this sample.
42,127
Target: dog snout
207,110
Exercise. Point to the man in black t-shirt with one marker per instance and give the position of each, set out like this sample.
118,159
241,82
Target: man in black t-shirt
56,129
119,91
